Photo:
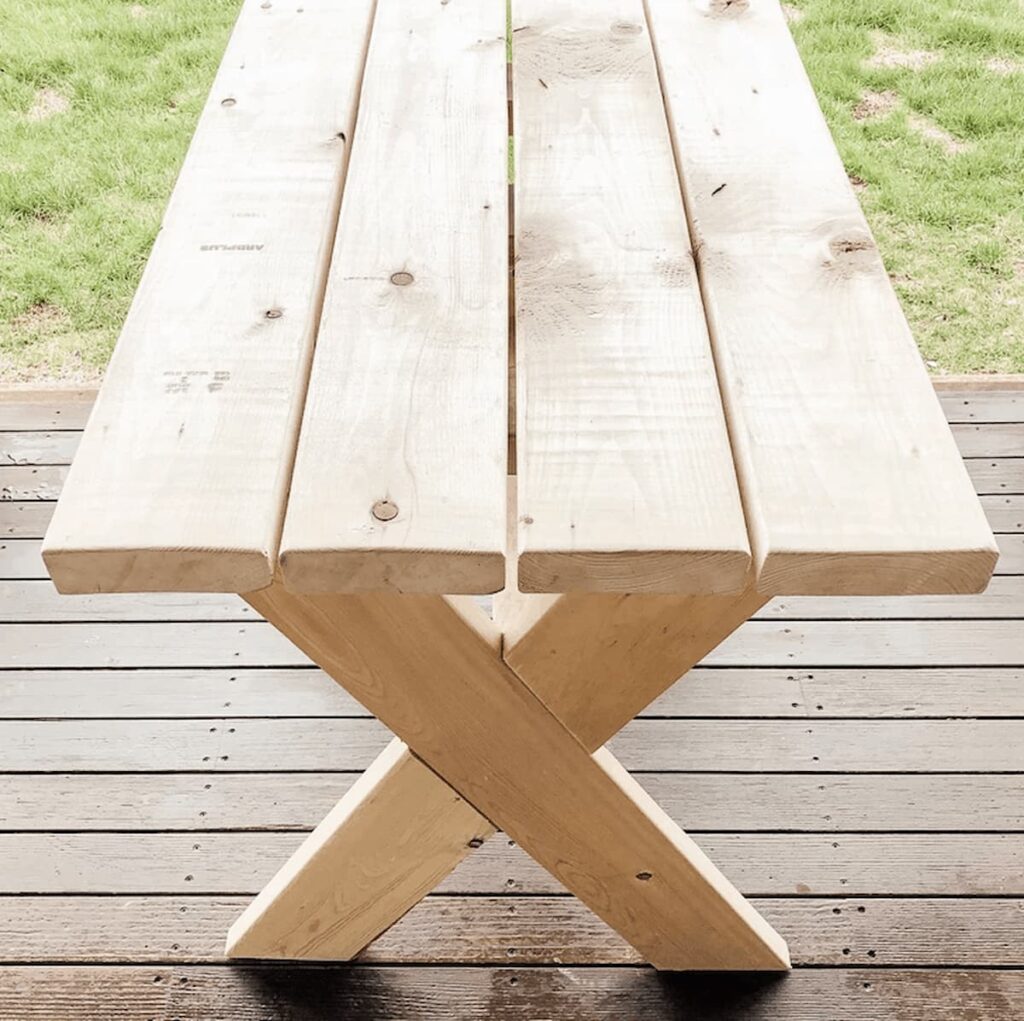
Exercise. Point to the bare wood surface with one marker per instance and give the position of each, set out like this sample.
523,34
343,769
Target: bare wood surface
580,815
625,478
826,396
409,375
211,365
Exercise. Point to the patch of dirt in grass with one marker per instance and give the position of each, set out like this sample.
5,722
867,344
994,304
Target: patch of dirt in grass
1003,65
41,317
48,103
859,184
875,104
931,131
888,54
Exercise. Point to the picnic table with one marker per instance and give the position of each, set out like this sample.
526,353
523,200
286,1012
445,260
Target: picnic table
659,380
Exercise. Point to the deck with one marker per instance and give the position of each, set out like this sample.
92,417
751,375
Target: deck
160,756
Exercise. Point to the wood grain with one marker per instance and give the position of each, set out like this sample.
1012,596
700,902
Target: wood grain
625,478
838,437
181,474
406,408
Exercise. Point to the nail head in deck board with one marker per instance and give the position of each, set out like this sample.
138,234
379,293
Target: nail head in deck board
776,692
838,436
409,374
513,993
32,410
749,746
624,462
214,387
890,932
805,865
199,802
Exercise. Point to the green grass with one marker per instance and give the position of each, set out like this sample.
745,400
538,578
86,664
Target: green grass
82,190
939,164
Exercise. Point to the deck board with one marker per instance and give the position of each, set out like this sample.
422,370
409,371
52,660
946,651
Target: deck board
913,810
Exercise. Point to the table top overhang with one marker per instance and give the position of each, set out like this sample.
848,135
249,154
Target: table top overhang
710,379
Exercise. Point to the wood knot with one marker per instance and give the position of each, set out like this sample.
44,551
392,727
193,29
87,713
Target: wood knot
644,876
384,510
402,278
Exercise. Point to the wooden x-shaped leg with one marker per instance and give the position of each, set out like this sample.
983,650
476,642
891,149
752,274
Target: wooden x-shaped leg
514,740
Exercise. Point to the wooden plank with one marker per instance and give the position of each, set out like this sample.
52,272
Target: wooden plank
820,802
211,365
709,692
38,447
751,746
1005,406
20,482
35,409
24,519
437,993
39,601
757,643
578,813
838,436
1005,513
625,477
997,475
804,865
409,376
990,440
865,932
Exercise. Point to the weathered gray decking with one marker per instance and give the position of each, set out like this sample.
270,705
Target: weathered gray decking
160,757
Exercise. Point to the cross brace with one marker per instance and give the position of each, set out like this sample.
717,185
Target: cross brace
505,730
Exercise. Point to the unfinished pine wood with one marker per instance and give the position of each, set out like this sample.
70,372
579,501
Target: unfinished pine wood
581,816
580,644
626,482
399,479
829,803
888,932
427,823
181,474
851,480
438,993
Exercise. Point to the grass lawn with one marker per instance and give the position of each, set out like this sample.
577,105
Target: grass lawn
98,99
